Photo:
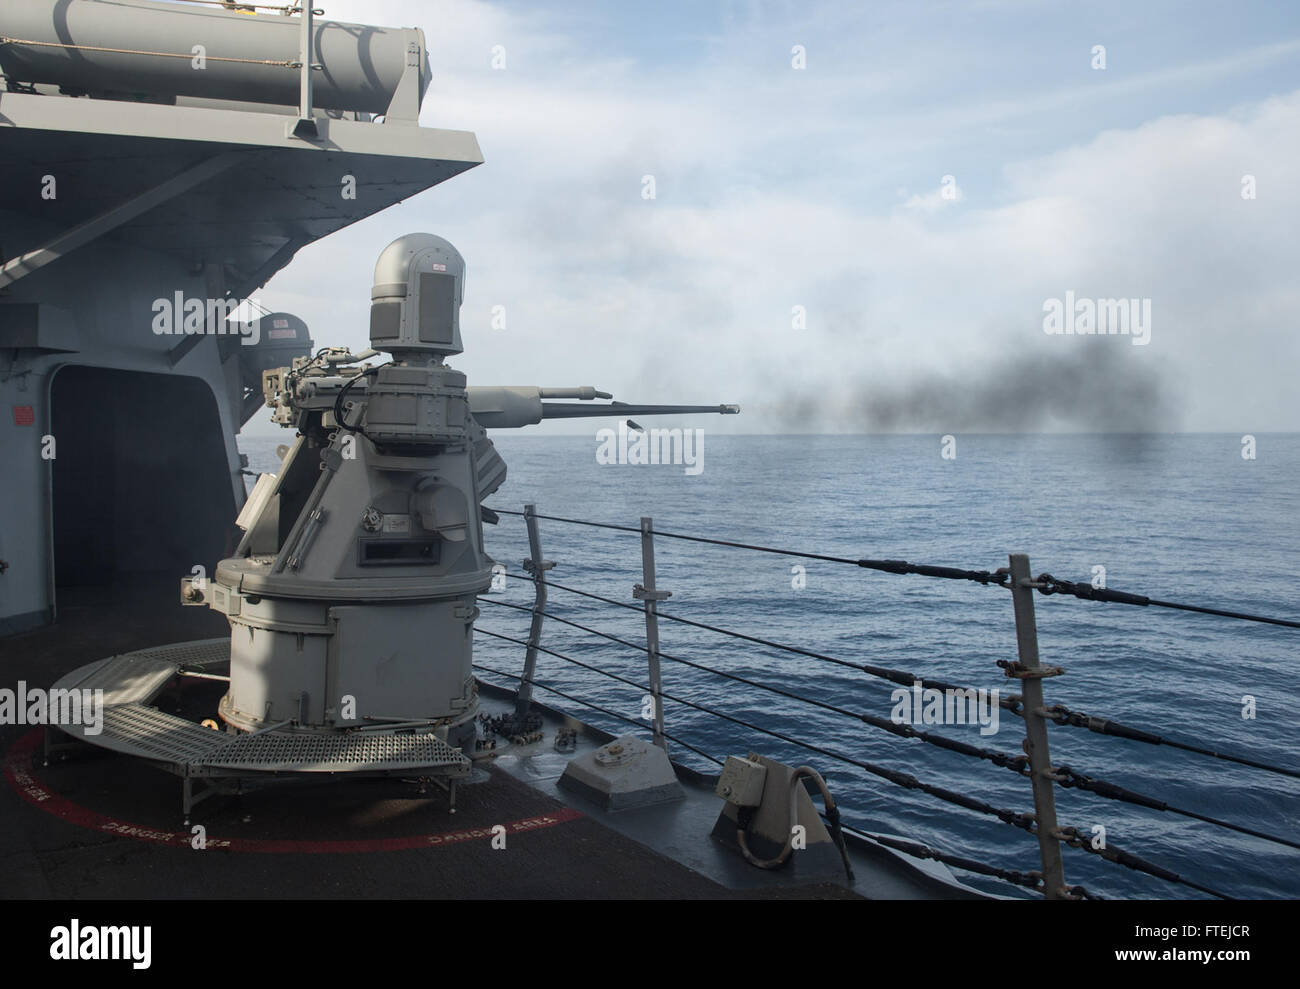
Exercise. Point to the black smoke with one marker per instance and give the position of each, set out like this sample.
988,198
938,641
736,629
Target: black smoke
1102,385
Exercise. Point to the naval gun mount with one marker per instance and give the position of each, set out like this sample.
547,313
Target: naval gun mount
351,596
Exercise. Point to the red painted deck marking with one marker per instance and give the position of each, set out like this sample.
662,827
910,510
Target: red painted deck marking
39,795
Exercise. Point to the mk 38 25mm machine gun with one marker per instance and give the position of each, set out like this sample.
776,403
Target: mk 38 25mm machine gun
351,596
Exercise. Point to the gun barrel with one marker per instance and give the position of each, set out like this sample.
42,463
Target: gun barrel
586,393
568,410
512,406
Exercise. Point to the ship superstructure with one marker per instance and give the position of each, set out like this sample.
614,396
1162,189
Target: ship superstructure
158,163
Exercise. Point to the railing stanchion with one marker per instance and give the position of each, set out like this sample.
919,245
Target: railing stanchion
537,567
1040,761
647,593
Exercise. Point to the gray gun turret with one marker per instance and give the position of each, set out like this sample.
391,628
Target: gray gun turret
352,593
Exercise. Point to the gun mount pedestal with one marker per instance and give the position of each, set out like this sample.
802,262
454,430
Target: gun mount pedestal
352,595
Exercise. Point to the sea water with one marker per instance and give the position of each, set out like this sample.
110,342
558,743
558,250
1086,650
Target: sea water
1182,518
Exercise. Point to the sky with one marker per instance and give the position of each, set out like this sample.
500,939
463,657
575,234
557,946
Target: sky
861,212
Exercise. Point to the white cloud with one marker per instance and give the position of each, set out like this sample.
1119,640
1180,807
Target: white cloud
766,200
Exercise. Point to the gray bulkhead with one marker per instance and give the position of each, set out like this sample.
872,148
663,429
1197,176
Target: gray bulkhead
124,182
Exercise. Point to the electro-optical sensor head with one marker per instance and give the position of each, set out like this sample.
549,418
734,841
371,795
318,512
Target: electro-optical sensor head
415,301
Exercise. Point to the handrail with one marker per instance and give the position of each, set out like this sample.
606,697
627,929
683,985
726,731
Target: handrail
1064,776
1013,703
1030,880
1036,765
1023,821
1044,584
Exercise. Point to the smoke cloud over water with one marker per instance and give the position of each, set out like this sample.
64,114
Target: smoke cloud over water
1089,386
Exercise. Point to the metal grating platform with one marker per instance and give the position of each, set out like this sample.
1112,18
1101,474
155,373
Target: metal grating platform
304,753
202,652
126,679
137,729
132,727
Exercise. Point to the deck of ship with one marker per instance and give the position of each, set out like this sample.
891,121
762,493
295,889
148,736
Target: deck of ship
103,825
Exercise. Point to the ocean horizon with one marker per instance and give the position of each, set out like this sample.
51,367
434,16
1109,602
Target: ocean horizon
1176,517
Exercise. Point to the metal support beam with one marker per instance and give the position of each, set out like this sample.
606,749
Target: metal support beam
1035,745
82,234
536,566
651,596
305,126
404,107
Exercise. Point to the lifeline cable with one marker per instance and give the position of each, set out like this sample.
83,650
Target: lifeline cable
1024,821
999,578
1068,777
1060,714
